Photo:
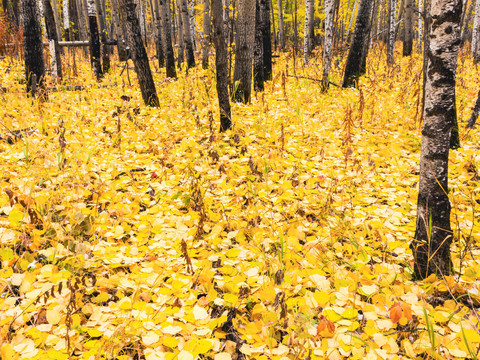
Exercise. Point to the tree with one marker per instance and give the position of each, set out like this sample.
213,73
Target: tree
391,32
137,52
158,34
308,30
33,45
167,38
433,236
242,75
281,28
187,34
221,64
327,47
52,37
475,112
95,51
103,36
206,33
258,73
267,42
408,25
353,68
476,33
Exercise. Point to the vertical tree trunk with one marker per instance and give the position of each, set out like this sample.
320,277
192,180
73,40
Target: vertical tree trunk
74,28
258,73
475,112
408,39
362,28
141,22
33,45
66,21
433,236
420,23
476,33
158,33
351,21
181,48
242,75
52,36
206,33
137,52
391,32
267,43
191,14
95,51
187,35
167,38
327,47
281,28
57,19
272,12
221,64
308,30
103,36
121,48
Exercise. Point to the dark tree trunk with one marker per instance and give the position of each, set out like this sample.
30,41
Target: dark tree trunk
221,64
206,33
267,43
167,39
158,33
52,34
122,51
74,29
244,44
408,39
33,45
258,58
95,52
103,36
433,236
357,48
187,33
137,52
181,43
476,110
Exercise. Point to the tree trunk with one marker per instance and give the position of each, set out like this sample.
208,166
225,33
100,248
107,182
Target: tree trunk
122,51
242,75
281,28
258,73
327,46
103,36
207,24
74,28
137,52
181,48
433,236
81,20
408,24
167,38
95,51
267,43
158,33
475,112
308,30
66,21
353,68
420,23
191,14
52,36
187,34
391,32
221,64
476,33
33,45
351,21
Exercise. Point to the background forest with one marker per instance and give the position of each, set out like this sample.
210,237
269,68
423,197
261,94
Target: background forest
188,201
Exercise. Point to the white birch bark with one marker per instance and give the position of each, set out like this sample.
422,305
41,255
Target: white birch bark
354,11
327,48
420,23
391,33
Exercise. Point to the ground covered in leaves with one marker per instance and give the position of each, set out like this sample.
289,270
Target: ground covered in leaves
129,232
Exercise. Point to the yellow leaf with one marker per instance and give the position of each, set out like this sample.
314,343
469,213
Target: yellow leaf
185,355
223,356
170,341
204,346
125,304
53,316
199,313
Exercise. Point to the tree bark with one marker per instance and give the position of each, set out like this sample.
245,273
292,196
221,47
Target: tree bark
476,33
475,112
122,51
187,34
433,236
191,14
167,38
258,73
33,45
137,52
242,75
281,28
327,46
267,43
103,36
207,24
420,23
181,43
66,20
52,36
391,32
308,30
408,38
221,64
353,68
95,51
158,33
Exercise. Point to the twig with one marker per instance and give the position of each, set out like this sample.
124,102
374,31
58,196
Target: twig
313,79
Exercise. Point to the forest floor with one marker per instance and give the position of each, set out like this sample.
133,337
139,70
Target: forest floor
129,232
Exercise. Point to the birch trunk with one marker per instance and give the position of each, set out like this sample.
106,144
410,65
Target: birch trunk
167,38
327,47
242,75
308,30
158,33
221,65
433,236
66,21
95,52
391,32
191,14
420,23
351,20
122,51
281,28
187,35
137,52
476,33
206,33
53,39
103,36
181,43
408,38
